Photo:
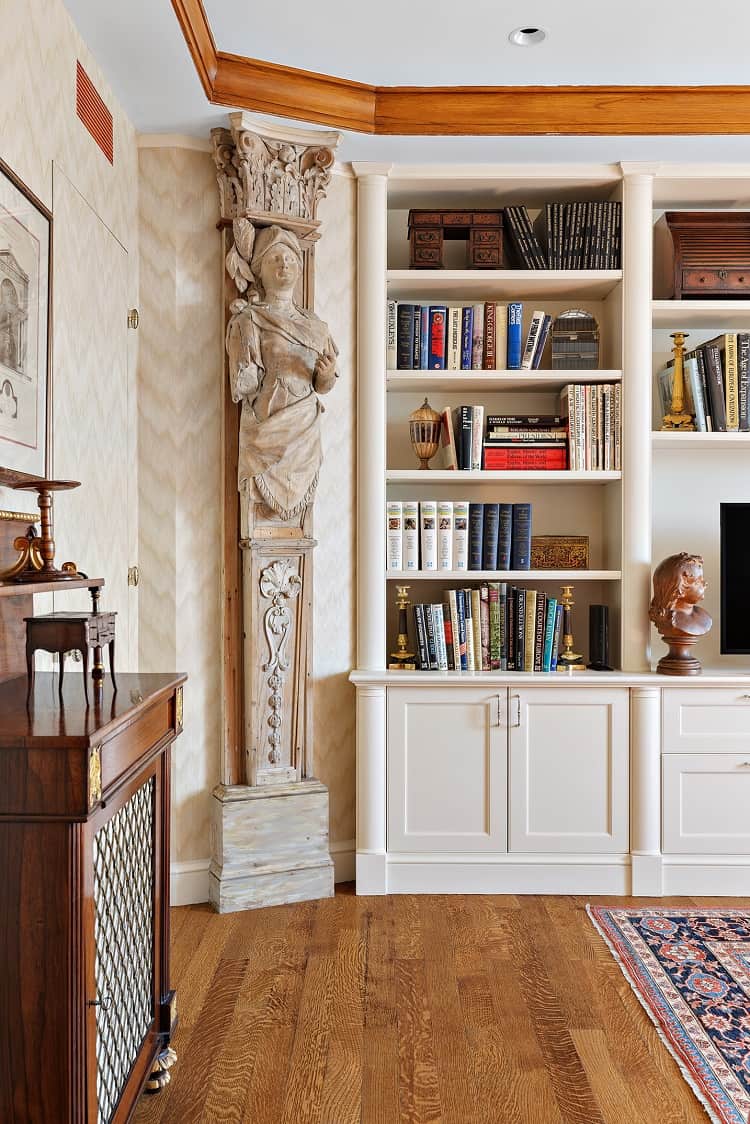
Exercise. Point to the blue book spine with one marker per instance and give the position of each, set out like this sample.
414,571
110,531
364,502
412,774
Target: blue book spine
557,637
549,633
467,331
515,343
405,337
437,337
491,529
521,537
476,528
505,526
461,614
424,337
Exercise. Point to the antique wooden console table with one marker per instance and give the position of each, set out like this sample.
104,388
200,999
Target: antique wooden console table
85,1003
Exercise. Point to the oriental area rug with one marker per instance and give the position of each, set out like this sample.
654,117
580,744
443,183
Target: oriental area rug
690,968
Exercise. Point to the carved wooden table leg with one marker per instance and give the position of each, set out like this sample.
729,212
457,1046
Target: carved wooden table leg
85,660
112,663
30,669
61,658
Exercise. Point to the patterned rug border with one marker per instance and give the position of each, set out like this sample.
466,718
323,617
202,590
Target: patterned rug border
637,981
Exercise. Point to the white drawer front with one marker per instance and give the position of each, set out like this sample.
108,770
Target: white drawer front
706,803
706,720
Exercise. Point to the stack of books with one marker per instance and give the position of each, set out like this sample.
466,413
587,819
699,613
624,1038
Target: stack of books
492,627
457,535
486,336
717,377
525,441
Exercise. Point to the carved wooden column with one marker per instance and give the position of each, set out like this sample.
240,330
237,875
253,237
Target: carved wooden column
270,822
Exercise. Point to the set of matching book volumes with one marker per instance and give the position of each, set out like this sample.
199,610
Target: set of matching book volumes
458,535
486,336
593,412
493,627
567,235
717,375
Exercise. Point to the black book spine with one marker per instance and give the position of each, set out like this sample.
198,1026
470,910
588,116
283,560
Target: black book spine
715,377
464,452
490,536
617,235
431,642
743,375
521,537
476,535
519,239
405,337
417,349
421,633
535,250
504,536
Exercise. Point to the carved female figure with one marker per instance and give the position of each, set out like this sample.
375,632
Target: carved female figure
281,358
678,587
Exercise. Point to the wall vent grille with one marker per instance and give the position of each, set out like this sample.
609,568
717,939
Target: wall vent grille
93,112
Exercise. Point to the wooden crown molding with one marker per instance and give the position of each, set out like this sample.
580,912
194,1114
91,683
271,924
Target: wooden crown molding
285,91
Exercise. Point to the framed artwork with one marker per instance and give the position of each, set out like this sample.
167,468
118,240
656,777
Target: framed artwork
25,330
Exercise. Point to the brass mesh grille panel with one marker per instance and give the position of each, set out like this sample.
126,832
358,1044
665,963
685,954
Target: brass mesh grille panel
123,937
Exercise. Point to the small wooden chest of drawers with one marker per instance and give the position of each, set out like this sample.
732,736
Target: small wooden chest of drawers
711,253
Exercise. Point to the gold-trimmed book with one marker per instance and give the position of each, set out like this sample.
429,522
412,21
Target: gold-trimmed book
559,552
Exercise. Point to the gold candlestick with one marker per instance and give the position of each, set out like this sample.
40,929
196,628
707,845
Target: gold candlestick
677,418
568,660
403,659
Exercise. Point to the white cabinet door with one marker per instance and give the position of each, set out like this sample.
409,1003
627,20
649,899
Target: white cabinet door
706,803
706,720
569,769
447,769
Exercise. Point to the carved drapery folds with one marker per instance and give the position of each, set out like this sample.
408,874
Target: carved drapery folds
265,176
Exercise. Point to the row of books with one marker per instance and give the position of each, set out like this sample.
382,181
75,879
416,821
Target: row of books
484,336
457,535
717,381
493,627
508,442
576,235
593,413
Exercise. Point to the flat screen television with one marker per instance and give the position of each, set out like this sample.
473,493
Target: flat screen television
735,579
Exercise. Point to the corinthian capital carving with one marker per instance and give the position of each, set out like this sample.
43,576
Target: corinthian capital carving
284,172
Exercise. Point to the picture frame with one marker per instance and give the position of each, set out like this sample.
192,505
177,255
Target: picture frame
25,331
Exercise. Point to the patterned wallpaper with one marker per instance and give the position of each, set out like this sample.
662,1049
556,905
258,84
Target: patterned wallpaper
179,461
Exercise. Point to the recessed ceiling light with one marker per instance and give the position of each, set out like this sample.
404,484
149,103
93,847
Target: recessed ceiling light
527,36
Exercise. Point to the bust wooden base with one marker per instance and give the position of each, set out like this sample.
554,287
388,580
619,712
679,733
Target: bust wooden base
678,660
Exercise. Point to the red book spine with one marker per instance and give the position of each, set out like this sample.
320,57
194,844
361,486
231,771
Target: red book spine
490,356
523,458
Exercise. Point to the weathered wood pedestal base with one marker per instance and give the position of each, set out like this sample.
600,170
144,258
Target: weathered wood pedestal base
269,845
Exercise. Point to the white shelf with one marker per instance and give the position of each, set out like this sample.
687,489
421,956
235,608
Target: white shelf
515,284
679,315
678,440
505,575
494,380
448,476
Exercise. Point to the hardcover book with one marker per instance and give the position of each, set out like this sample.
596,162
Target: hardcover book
467,336
460,534
521,537
428,533
395,535
410,510
391,336
515,314
445,534
438,331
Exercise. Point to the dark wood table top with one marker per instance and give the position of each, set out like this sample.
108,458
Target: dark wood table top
49,721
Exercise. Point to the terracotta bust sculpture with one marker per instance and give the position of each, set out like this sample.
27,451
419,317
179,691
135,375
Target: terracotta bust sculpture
281,358
678,587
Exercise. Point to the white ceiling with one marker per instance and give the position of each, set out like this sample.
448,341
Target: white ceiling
141,49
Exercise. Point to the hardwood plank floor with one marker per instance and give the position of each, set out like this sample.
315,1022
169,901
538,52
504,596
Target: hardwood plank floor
450,1009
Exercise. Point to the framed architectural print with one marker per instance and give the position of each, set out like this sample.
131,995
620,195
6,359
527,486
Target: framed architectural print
25,302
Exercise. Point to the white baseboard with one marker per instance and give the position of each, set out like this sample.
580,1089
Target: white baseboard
188,881
706,875
517,874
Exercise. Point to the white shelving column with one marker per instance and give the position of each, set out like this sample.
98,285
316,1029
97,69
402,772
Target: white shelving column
637,222
372,213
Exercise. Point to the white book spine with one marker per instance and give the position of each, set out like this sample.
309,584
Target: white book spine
438,628
410,509
469,624
453,357
395,534
477,434
501,336
390,335
618,422
445,534
537,320
428,532
460,534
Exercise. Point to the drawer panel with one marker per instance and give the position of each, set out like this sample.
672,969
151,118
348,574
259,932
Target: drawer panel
705,720
697,280
706,797
122,751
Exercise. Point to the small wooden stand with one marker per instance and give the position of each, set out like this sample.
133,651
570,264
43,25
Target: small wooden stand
483,230
40,553
72,632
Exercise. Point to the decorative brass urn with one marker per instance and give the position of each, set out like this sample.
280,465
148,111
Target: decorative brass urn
424,431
